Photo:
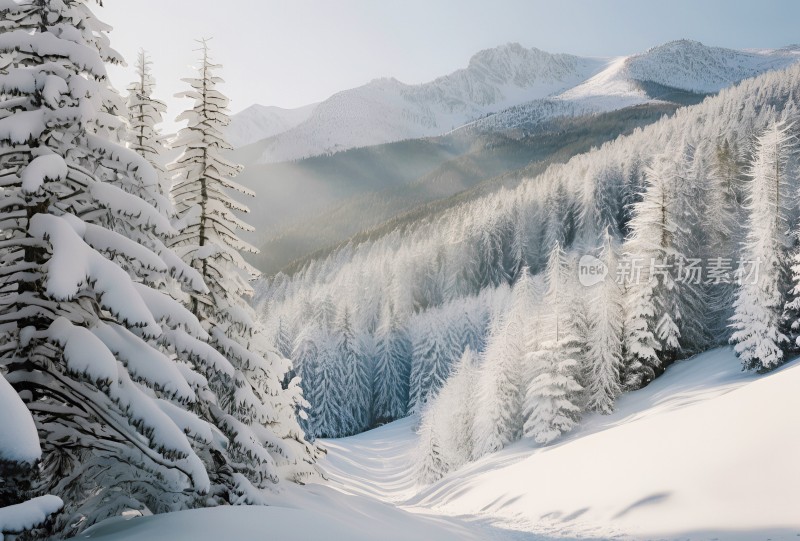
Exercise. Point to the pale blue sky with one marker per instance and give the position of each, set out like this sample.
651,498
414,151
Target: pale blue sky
293,52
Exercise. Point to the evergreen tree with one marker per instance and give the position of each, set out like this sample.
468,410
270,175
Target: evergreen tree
603,366
758,338
391,377
145,113
431,360
79,325
551,397
502,378
329,406
430,465
558,296
456,405
652,332
357,378
248,405
20,454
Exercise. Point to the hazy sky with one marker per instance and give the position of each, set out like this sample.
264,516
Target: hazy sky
293,52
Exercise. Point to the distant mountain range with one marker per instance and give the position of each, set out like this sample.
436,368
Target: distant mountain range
386,152
504,81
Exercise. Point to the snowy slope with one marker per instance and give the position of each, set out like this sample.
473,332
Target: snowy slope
260,121
690,65
704,452
387,110
296,514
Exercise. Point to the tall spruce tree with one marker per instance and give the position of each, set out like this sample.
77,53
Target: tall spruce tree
503,377
550,403
604,361
392,368
145,113
759,338
249,405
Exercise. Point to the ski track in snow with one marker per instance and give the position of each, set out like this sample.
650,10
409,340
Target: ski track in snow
490,496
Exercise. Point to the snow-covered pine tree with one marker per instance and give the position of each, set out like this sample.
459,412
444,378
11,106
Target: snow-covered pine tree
249,405
430,360
145,113
759,339
552,395
502,377
456,406
329,413
652,334
357,377
558,295
392,368
430,464
77,327
550,401
603,366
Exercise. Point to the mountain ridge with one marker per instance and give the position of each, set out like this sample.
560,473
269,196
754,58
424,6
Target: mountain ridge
495,81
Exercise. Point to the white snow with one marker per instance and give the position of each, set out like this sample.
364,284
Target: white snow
187,421
608,90
79,265
299,514
704,452
84,353
52,167
19,440
144,362
29,514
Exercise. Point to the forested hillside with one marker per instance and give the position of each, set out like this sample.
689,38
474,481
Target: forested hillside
499,274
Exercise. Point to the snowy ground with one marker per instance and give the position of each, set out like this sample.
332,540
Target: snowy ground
704,453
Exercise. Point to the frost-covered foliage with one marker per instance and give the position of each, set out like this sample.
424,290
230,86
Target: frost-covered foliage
111,390
145,113
248,403
552,394
759,335
79,302
669,196
602,371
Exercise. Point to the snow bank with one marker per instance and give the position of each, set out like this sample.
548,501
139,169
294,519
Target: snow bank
704,450
28,515
301,514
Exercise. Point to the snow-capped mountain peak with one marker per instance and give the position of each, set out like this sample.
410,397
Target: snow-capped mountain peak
386,110
693,66
514,64
503,83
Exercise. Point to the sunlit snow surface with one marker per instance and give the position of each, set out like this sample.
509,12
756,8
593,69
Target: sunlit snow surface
705,452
